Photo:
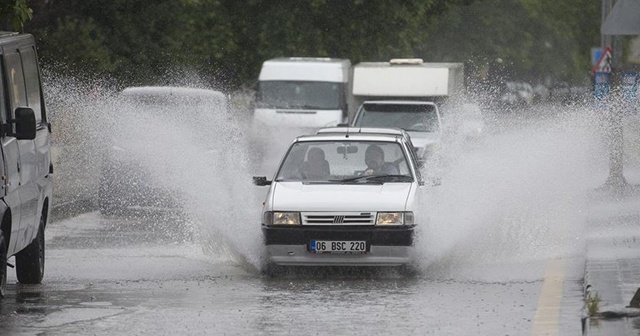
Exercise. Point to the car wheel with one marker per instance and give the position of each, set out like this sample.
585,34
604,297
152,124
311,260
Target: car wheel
3,266
30,261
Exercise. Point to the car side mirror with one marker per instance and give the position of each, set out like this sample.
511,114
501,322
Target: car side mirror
25,122
261,181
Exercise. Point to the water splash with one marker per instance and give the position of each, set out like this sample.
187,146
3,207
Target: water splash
205,164
518,195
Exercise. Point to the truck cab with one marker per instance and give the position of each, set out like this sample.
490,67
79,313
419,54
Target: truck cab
420,119
409,94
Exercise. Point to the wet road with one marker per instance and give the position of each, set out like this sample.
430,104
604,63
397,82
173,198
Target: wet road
131,276
502,253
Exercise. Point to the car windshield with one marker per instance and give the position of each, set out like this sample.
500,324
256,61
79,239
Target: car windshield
345,162
418,118
300,95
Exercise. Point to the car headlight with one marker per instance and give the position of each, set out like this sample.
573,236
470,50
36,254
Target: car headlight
395,218
282,218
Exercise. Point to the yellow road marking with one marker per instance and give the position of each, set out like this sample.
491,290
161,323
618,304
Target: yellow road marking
547,319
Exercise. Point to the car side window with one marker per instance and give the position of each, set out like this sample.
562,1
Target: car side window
3,100
15,80
32,81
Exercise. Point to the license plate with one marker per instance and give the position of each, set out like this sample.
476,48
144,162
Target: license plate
338,246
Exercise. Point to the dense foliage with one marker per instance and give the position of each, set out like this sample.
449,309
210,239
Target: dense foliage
225,41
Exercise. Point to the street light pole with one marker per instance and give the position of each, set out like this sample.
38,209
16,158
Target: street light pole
614,133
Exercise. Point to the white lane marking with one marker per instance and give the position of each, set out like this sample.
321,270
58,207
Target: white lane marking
547,318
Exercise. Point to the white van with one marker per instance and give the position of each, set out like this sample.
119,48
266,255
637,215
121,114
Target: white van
25,161
303,92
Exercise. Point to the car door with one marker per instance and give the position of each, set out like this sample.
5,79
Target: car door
38,152
11,154
22,196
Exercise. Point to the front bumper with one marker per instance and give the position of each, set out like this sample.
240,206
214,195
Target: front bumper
391,246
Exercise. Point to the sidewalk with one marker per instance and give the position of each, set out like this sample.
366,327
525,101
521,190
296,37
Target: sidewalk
612,269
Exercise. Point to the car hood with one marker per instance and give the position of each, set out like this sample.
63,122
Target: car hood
297,196
423,139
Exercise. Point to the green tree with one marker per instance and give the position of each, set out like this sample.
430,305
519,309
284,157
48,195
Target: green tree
535,39
225,41
15,13
76,44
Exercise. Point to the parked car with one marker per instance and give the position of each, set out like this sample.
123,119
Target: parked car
343,197
566,94
127,184
516,94
26,167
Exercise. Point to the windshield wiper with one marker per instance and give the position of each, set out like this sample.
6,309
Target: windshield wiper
378,178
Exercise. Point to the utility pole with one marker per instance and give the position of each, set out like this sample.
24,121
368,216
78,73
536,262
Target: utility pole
614,127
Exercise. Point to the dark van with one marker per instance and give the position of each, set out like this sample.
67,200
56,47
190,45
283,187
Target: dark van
25,163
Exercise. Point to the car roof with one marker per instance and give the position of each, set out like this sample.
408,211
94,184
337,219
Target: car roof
400,102
318,60
361,130
171,90
355,134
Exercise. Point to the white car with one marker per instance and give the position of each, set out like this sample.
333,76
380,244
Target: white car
421,119
343,197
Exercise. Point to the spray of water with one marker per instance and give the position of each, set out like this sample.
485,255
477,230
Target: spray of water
512,196
515,194
200,160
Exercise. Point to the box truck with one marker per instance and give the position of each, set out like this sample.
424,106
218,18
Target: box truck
407,94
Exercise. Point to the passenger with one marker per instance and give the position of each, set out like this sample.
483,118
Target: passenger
316,167
374,159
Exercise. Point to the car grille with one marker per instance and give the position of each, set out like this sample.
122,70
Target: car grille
329,218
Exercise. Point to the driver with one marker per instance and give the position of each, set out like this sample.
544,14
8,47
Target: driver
374,159
316,167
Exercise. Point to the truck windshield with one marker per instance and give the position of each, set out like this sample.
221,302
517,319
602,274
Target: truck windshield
300,95
417,118
345,162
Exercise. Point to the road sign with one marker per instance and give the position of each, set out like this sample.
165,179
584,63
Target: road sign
596,53
604,63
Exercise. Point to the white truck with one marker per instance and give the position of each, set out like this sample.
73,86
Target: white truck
303,92
407,94
297,95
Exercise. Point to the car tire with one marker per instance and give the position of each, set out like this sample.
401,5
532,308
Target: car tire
30,261
3,266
